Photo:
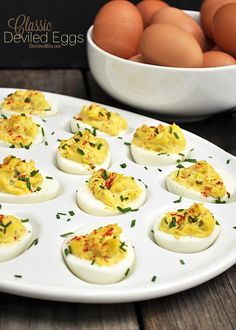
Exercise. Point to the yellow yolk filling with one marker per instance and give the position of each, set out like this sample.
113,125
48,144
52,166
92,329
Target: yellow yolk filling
84,148
106,121
18,130
18,177
102,246
201,177
11,229
162,139
113,189
196,221
28,102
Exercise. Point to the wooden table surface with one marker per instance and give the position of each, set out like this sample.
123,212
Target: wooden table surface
209,306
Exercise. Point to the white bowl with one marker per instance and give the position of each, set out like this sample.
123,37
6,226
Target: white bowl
179,92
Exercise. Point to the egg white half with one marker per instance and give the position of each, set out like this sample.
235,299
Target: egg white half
39,137
78,125
72,167
183,191
183,244
91,205
145,156
51,101
12,250
49,190
93,273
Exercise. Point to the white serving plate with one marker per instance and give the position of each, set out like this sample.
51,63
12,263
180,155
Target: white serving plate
44,274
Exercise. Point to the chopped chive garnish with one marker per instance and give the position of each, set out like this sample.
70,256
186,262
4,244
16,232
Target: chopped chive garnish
92,144
127,272
134,210
219,201
133,222
3,116
18,276
159,169
190,160
124,210
234,227
94,131
59,140
105,175
71,213
68,219
52,133
180,166
217,223
99,146
49,177
181,154
93,262
66,234
35,242
12,146
176,135
42,130
108,115
228,161
34,172
102,187
172,223
161,153
46,143
182,262
123,165
80,151
156,130
119,137
27,100
122,245
27,146
145,167
67,251
178,200
127,143
24,220
154,278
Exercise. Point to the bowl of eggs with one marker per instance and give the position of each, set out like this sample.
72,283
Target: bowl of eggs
158,58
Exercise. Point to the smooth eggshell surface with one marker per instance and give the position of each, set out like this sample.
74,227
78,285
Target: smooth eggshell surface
215,58
148,8
168,45
117,28
224,28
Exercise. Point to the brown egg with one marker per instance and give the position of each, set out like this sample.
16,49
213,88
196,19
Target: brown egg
177,17
224,28
117,28
216,58
137,58
148,7
208,10
169,45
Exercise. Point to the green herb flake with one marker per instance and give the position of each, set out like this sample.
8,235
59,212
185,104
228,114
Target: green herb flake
133,222
219,201
127,143
34,172
176,135
67,234
124,210
178,200
42,130
172,223
123,165
49,177
234,227
119,137
35,242
127,272
93,262
108,115
99,146
228,161
159,169
191,160
80,151
24,220
105,175
182,262
27,100
71,213
154,278
145,167
122,246
17,276
180,166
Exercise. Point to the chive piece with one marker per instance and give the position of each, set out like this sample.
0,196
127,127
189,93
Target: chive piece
102,187
108,115
234,227
42,130
71,213
176,135
35,242
219,201
49,177
145,167
180,153
159,169
3,116
190,160
24,220
46,143
127,272
156,130
154,278
123,165
27,100
12,146
47,109
52,133
228,161
172,223
134,210
122,245
182,262
92,144
124,210
68,219
18,276
127,143
38,188
59,140
34,172
119,137
105,175
178,200
67,251
80,151
27,180
170,130
161,153
93,262
180,166
133,222
77,124
67,234
61,213
94,131
99,146
27,146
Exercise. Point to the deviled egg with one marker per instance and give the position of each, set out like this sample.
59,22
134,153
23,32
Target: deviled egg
109,193
100,255
15,236
201,182
83,153
186,230
22,182
95,117
159,145
29,102
20,131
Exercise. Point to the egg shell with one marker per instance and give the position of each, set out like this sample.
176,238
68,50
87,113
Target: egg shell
217,58
12,250
207,12
224,28
148,7
177,17
94,273
137,58
168,45
117,28
72,167
183,244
